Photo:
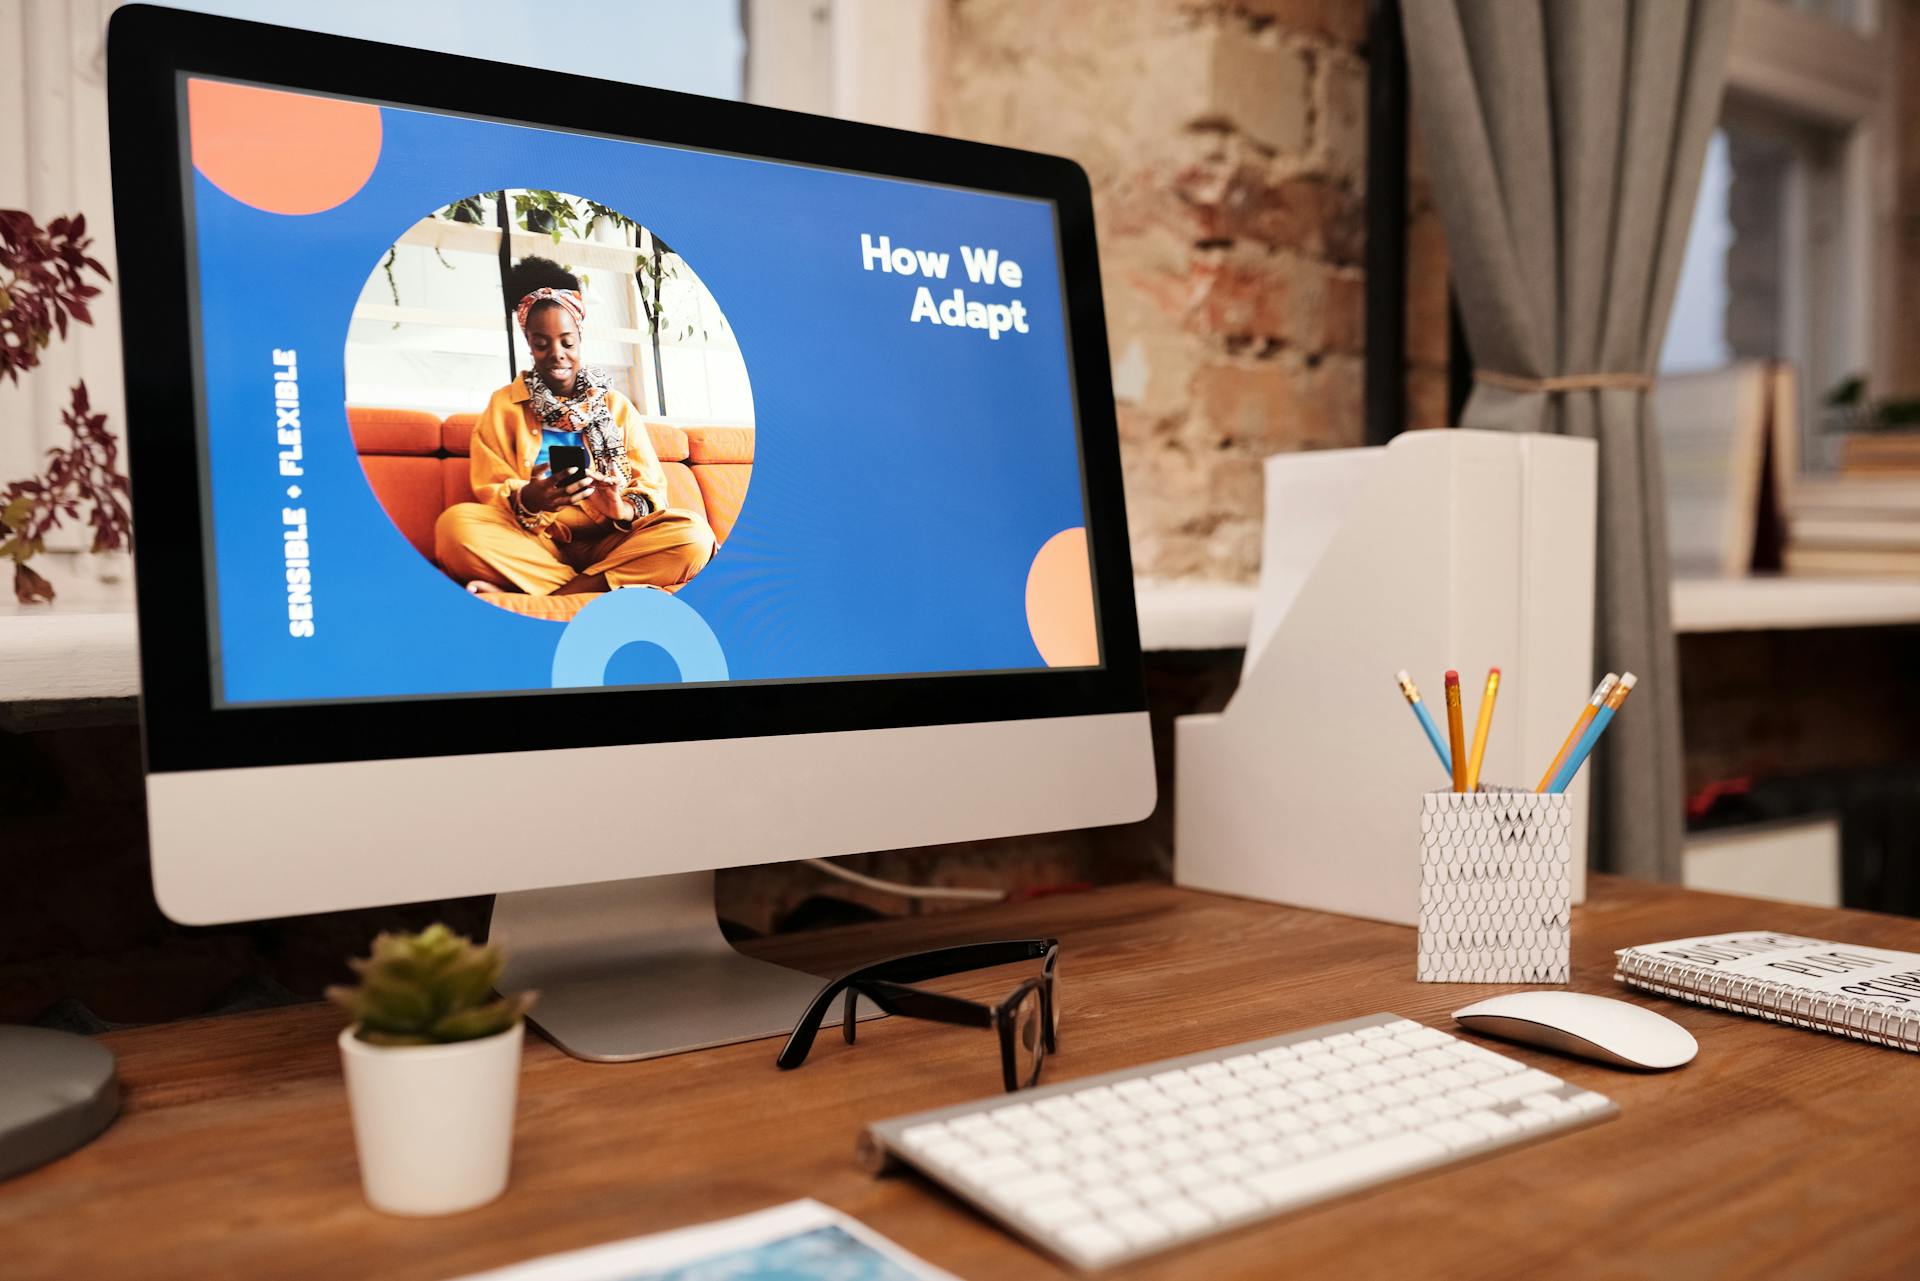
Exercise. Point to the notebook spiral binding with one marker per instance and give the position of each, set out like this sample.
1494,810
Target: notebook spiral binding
1782,1003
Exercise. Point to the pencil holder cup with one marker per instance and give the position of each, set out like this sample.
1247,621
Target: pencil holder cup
1496,888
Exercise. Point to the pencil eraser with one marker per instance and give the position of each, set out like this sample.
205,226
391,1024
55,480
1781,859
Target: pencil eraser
1493,671
1453,678
1402,676
1629,680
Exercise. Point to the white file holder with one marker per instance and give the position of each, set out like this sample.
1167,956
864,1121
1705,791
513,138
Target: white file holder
1462,549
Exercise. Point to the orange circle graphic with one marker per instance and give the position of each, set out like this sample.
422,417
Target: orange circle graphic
286,153
1060,602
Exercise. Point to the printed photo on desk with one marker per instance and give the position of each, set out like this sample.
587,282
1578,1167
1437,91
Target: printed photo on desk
798,1241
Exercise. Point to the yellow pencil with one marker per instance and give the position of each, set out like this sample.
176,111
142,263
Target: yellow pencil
1456,737
1580,724
1480,729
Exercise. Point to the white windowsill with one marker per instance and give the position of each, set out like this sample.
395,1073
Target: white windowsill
84,646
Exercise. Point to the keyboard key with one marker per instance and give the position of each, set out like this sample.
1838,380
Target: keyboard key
1494,1126
1240,1063
1141,1231
949,1152
921,1135
1229,1165
1426,1038
1265,1156
1587,1102
1109,1200
1277,1054
1305,1145
1357,1054
1191,1174
1338,1171
1055,1211
1390,1047
1341,1135
1519,1085
1044,1186
1225,1200
1370,1033
989,1170
1096,1242
1214,1142
1180,1214
1206,1071
1455,1134
1472,1098
1402,1025
1150,1188
1338,1038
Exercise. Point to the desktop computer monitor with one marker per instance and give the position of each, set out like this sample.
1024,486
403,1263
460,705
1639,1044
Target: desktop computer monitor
846,568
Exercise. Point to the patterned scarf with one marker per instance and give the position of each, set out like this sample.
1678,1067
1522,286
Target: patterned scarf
586,412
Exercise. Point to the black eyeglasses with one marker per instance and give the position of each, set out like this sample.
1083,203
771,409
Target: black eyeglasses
1028,1020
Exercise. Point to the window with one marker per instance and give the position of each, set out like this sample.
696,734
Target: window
1782,261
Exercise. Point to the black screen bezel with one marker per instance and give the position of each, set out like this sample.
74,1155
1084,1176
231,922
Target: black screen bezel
184,728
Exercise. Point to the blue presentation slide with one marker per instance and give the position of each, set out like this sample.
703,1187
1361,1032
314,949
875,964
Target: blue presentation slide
915,500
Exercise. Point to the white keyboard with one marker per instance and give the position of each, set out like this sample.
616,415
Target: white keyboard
1113,1167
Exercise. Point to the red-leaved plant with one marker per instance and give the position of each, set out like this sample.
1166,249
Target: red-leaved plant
43,288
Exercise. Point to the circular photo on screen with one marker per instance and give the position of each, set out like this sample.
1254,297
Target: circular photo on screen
547,401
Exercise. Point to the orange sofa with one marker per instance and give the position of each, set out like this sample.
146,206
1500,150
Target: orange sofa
417,465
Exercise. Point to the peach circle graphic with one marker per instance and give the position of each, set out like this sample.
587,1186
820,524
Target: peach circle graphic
286,153
1060,602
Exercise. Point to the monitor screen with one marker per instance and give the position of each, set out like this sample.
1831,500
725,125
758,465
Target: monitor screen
827,418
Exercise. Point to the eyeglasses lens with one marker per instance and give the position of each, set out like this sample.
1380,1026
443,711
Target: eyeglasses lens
1029,1048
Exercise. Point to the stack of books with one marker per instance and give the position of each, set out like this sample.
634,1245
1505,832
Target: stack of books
1866,520
1855,524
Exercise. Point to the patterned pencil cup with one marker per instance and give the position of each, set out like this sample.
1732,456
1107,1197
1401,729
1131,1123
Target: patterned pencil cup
1496,887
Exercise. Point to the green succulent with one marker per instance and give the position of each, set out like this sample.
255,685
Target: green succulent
429,988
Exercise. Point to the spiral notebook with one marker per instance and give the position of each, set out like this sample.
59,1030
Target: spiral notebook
1868,993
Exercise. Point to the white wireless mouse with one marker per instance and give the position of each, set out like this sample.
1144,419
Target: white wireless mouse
1590,1027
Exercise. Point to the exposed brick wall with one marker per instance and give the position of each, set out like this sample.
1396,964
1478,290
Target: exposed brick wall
1226,144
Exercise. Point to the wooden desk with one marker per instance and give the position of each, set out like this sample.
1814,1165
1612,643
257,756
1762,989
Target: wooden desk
1777,1152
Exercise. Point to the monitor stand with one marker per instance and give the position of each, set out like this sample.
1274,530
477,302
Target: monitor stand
639,969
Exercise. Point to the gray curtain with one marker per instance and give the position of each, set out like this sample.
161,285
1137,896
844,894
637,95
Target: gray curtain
1565,139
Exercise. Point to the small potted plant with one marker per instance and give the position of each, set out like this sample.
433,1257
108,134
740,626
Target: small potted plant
432,1061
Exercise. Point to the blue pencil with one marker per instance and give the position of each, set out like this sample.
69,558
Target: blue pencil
1412,693
1578,756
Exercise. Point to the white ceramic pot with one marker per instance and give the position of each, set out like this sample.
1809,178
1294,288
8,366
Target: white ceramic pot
433,1123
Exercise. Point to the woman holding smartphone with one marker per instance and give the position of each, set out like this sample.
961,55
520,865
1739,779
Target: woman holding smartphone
571,496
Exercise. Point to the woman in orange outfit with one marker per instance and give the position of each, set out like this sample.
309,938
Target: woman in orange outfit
533,532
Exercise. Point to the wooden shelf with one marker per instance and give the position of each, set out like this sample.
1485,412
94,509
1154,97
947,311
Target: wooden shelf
85,646
1776,604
